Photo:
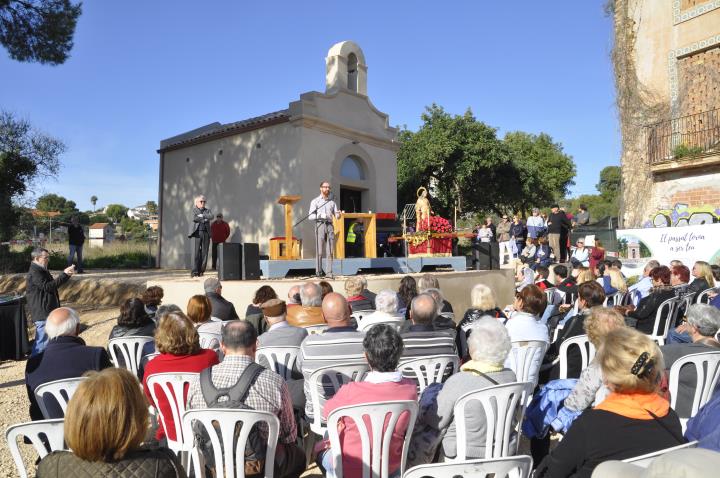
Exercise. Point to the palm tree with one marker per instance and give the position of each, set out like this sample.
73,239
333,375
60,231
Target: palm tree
93,200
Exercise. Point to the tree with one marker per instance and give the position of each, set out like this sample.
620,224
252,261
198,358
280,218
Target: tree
38,30
25,155
609,184
116,212
93,200
545,171
152,207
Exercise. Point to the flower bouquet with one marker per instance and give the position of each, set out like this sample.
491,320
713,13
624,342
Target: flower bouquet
432,238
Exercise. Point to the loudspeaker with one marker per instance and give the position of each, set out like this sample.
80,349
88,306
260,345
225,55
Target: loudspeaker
250,263
229,261
487,255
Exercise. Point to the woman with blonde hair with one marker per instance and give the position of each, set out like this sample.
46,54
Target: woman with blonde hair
613,282
105,425
482,304
633,420
703,278
585,275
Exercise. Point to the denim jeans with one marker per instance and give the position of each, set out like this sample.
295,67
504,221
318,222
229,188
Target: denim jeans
41,338
73,251
678,337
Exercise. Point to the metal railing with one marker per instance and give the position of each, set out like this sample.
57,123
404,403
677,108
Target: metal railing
684,138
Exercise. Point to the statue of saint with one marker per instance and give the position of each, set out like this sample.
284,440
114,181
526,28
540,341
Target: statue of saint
422,206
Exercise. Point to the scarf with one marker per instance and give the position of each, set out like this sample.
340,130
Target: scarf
635,405
477,367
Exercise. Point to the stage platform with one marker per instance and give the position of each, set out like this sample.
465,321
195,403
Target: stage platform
352,266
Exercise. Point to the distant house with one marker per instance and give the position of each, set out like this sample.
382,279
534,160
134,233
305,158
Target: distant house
138,212
101,233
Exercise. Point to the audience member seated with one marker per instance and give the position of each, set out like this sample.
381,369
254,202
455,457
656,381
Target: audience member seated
527,255
253,312
429,281
544,253
152,298
482,303
524,277
565,283
106,423
310,312
584,275
643,317
406,293
383,347
149,347
632,421
489,345
340,343
326,288
705,425
293,296
580,254
281,334
679,279
386,310
353,290
268,392
365,292
597,255
133,321
703,278
178,343
541,278
66,356
613,282
524,324
198,311
703,323
642,287
422,338
443,320
221,308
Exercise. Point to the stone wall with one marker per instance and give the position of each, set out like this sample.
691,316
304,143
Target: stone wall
699,82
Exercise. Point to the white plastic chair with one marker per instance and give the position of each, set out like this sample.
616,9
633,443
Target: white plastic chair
316,329
587,353
130,351
660,329
210,340
614,299
498,467
525,359
430,369
330,379
366,325
61,390
280,359
173,388
383,418
645,460
50,430
229,459
359,314
504,407
707,371
702,297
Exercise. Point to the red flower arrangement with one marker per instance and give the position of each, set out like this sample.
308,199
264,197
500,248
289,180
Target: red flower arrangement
437,224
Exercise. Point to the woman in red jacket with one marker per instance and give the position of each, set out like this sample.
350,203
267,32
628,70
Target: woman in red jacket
597,255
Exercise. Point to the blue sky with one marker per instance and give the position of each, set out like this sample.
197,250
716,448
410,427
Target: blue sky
143,71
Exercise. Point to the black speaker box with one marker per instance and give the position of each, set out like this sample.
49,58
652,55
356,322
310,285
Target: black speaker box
229,261
487,255
250,263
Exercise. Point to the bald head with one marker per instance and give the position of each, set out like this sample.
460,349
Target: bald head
424,309
292,293
239,337
335,310
61,322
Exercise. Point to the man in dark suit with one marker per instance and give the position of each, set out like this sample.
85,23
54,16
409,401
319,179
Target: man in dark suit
201,232
222,308
41,293
66,356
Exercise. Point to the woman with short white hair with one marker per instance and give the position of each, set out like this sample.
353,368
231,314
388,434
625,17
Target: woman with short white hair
482,303
386,310
489,345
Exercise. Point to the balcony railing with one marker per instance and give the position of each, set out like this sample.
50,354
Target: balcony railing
684,138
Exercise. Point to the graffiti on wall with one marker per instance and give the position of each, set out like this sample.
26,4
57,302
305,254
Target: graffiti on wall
682,215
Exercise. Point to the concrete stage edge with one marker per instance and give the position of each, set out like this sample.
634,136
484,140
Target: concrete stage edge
455,286
350,267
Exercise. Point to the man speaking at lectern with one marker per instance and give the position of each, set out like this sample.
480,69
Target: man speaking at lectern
322,210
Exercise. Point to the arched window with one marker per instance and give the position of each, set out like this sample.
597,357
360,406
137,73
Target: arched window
352,65
352,168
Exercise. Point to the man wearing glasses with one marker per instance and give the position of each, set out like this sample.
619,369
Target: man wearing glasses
41,293
322,210
201,233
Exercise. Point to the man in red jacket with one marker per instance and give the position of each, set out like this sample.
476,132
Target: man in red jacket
219,232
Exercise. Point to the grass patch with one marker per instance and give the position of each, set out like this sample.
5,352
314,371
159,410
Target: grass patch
116,255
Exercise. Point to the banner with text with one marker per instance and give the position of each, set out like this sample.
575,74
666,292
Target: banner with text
687,244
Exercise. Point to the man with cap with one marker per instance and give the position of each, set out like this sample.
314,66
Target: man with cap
557,224
282,334
219,233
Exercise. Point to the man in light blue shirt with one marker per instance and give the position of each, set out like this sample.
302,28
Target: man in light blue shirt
322,210
641,289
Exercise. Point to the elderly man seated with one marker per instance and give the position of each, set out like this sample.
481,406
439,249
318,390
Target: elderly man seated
422,338
222,308
309,313
386,310
354,287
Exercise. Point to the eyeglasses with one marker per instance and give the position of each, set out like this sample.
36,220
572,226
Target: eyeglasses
202,200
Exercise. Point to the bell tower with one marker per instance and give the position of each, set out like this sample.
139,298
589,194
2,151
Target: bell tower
345,69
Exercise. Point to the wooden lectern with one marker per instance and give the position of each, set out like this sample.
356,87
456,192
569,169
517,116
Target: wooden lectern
368,221
290,252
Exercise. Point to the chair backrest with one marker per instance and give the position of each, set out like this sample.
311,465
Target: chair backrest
174,388
315,329
364,326
382,418
550,294
525,358
645,460
227,449
61,390
702,297
279,359
359,314
130,350
707,371
587,353
39,433
614,299
431,369
663,317
498,467
210,340
326,381
504,407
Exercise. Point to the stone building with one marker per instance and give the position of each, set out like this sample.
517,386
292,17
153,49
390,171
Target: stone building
667,65
243,167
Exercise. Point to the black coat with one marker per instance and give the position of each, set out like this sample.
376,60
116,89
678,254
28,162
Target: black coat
222,308
76,235
558,223
41,291
200,224
697,286
647,309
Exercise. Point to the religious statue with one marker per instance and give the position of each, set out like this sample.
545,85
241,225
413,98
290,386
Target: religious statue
422,207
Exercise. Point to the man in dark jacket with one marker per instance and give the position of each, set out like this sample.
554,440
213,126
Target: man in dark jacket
41,293
200,230
66,356
76,239
222,308
558,224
